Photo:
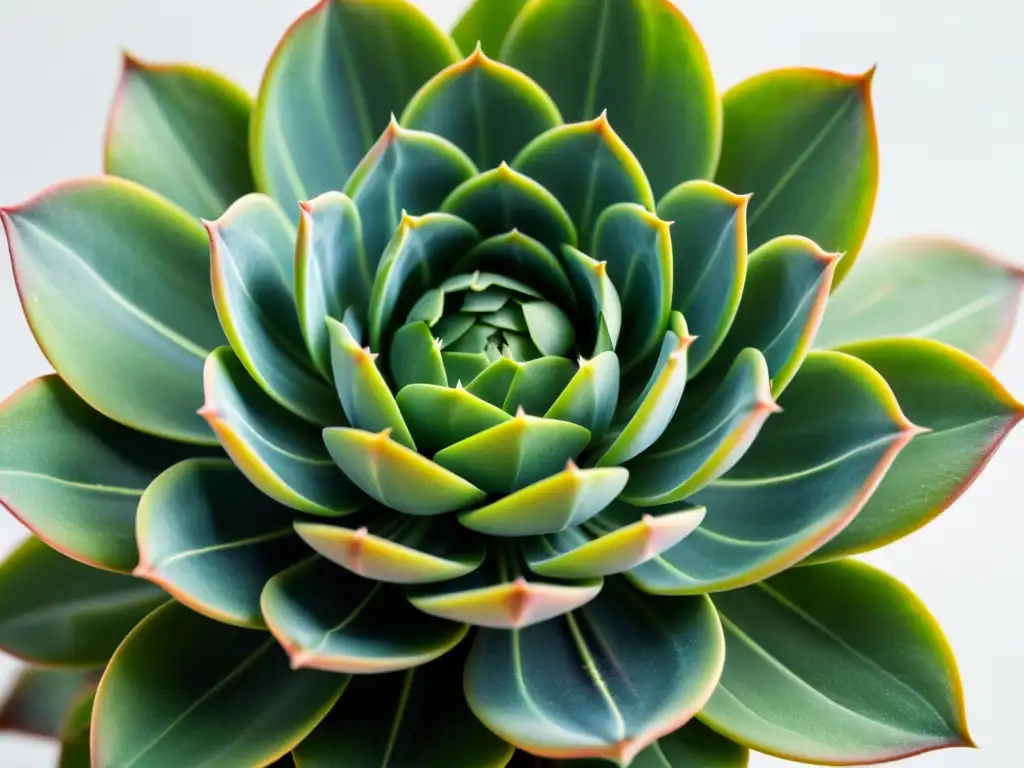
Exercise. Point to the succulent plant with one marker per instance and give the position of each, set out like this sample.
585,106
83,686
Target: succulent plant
487,400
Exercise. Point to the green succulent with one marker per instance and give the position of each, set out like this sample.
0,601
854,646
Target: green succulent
473,401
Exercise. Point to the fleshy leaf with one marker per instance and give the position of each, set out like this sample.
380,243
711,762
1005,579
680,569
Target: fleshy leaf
76,732
206,672
588,168
621,537
418,717
502,595
705,440
526,259
182,131
252,249
83,509
396,476
114,278
493,383
589,399
515,453
487,109
569,498
836,664
641,61
709,262
58,612
504,200
415,357
549,327
969,414
405,172
442,416
605,681
332,275
341,71
538,383
464,366
599,300
783,302
421,255
486,23
398,549
191,535
806,477
38,702
281,454
327,618
927,288
803,142
657,405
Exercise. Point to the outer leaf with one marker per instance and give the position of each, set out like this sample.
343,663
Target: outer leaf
182,131
55,611
515,453
487,109
329,619
83,508
252,251
641,61
418,717
335,79
442,416
928,288
398,549
191,537
75,732
404,172
486,23
549,505
589,399
113,278
40,698
808,474
587,167
525,259
803,142
709,261
605,681
969,414
706,439
396,476
502,595
787,286
281,454
837,664
210,673
621,537
332,275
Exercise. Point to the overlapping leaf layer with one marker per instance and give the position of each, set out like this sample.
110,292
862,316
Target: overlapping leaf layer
463,410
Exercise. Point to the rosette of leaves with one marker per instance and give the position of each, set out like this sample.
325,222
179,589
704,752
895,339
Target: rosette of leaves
487,400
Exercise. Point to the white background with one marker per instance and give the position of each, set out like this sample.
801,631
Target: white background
948,97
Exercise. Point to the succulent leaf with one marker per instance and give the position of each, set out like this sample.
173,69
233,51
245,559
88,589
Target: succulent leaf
486,23
440,416
588,168
114,278
836,663
212,673
329,619
83,509
332,274
802,141
464,366
642,62
599,298
927,288
709,262
968,413
537,384
182,131
589,399
809,473
523,258
190,533
418,717
55,611
397,477
40,698
492,385
787,287
605,681
705,439
252,251
278,452
616,540
487,109
340,73
397,550
76,732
